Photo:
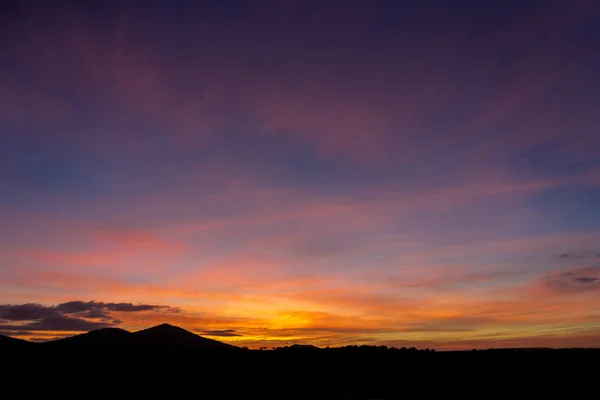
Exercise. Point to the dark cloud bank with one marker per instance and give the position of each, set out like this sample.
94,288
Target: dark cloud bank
222,333
75,316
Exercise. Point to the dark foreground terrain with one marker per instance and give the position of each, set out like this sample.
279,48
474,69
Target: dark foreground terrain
169,361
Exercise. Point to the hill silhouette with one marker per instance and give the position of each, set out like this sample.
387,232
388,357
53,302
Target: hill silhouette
169,335
100,337
179,359
176,338
157,337
7,342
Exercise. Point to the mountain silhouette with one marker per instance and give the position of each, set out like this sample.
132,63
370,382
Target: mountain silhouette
98,337
169,335
7,342
161,336
163,354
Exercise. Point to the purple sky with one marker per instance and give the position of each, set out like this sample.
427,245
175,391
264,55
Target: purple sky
332,172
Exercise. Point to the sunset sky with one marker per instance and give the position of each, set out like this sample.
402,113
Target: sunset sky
267,173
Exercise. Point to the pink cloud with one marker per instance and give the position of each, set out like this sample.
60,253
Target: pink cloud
338,126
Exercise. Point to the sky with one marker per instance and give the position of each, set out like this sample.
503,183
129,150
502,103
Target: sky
330,172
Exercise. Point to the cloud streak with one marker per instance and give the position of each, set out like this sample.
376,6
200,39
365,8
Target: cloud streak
575,280
220,333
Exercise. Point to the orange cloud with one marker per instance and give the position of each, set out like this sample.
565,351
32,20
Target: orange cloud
364,316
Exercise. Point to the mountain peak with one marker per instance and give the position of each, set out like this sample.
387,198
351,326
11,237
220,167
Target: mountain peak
166,326
97,337
167,329
166,334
